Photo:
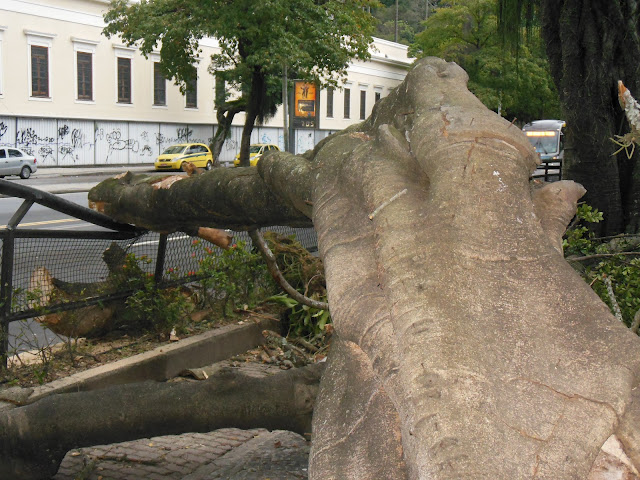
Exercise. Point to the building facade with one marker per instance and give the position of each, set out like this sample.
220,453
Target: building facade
71,96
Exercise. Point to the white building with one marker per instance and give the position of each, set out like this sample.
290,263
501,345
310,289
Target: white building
71,96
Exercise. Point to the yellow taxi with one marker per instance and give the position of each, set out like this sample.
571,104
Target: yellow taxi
174,156
255,153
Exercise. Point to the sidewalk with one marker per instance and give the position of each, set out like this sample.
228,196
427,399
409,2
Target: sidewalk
57,172
225,454
92,170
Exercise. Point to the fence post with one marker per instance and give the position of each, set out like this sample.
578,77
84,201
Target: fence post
6,289
6,276
162,251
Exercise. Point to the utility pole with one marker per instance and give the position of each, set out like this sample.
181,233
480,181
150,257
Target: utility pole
285,107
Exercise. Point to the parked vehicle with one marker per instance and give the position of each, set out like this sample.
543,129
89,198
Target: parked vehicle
547,136
14,161
174,156
255,153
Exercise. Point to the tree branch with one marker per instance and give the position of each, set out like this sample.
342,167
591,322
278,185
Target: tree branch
35,438
600,255
234,198
270,259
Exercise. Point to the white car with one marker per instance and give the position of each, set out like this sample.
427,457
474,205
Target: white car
14,161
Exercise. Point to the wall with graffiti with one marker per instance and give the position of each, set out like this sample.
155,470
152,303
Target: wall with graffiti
60,142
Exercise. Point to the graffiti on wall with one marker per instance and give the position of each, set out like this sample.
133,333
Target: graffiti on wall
71,144
34,143
112,145
85,142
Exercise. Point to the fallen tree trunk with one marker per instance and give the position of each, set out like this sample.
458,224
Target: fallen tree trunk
466,346
35,438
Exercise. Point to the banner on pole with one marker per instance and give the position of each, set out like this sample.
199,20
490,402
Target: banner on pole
305,105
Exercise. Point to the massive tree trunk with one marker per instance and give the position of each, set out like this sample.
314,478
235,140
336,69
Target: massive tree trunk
465,346
591,45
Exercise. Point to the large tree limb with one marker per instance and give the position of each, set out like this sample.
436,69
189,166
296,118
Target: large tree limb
35,438
234,198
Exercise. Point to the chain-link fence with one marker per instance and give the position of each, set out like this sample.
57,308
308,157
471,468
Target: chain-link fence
46,271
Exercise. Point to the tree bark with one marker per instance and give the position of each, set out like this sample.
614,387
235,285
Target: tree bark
255,100
474,339
591,45
225,113
35,438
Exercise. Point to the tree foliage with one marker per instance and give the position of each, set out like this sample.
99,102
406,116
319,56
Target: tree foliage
514,85
591,45
411,16
256,38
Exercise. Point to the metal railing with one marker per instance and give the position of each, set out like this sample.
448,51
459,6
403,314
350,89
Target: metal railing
78,257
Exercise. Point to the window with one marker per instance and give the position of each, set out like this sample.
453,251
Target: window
85,75
159,86
363,104
2,153
220,91
39,71
14,153
329,102
124,80
378,96
347,103
39,61
2,29
192,93
83,68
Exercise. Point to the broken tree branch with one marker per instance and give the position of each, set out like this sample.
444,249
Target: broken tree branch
272,265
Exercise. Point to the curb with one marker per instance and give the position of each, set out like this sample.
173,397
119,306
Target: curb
159,364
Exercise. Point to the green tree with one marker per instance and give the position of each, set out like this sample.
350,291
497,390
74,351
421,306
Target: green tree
591,45
467,34
316,38
411,15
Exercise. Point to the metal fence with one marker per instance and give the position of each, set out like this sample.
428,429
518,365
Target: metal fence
79,259
549,171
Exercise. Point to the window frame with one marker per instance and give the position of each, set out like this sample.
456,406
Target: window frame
124,53
347,103
377,94
81,46
156,75
363,104
2,29
40,40
194,91
330,96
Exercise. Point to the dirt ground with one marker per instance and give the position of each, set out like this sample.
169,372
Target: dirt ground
36,368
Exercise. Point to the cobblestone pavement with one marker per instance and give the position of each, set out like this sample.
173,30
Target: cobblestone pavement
229,454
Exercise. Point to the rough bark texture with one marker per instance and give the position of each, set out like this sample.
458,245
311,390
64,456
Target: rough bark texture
591,45
474,349
35,438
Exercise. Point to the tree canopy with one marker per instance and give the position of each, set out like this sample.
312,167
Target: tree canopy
256,39
514,85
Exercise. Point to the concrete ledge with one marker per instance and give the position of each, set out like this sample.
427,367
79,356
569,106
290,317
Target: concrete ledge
159,364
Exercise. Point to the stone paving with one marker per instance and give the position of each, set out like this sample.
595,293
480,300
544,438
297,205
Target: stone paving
228,453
